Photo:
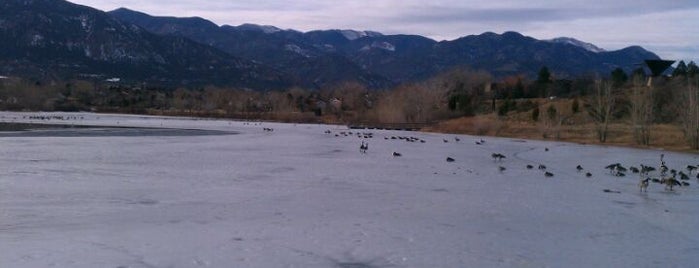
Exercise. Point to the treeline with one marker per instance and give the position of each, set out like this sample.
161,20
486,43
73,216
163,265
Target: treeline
633,99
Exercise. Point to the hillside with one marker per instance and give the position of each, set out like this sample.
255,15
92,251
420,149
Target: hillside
57,39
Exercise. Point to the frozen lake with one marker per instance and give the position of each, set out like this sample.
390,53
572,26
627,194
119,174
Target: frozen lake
141,191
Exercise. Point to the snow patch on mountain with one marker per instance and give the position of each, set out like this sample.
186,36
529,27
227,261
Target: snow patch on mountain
296,49
572,41
268,29
380,45
353,35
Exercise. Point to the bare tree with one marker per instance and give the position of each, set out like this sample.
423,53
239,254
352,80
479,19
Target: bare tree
600,106
411,103
641,109
689,113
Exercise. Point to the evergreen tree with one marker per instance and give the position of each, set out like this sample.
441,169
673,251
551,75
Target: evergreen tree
518,91
544,75
551,112
543,82
639,72
535,114
680,70
575,106
692,69
619,77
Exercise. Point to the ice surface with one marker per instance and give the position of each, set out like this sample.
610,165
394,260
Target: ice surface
298,197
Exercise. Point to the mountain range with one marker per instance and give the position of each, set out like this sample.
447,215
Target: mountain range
57,39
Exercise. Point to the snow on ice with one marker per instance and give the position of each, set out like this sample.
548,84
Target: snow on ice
304,196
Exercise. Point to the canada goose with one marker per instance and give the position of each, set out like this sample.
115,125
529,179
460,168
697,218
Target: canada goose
644,185
579,168
497,156
542,167
548,174
634,170
683,176
449,159
646,169
397,154
671,182
363,147
588,174
501,168
530,166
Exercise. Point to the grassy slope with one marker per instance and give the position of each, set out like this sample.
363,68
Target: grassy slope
579,128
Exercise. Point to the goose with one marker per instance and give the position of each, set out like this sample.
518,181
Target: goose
644,185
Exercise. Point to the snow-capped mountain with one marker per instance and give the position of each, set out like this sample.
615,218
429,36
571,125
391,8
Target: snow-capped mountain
57,37
572,41
353,35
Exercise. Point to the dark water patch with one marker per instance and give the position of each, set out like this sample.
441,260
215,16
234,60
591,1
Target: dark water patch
45,130
354,265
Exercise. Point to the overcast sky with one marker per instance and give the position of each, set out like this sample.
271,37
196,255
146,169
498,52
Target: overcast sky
670,28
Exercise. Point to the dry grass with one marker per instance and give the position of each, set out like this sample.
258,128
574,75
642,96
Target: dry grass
578,129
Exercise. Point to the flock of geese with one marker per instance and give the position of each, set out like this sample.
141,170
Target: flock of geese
665,176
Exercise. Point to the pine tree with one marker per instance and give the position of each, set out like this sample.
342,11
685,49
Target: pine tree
692,69
619,77
680,70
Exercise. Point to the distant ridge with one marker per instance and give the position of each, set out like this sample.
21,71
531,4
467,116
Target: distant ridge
58,39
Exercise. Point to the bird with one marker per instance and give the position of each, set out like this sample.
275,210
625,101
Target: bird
671,182
501,168
449,159
397,154
548,174
542,167
579,168
364,147
588,174
683,176
457,139
644,185
530,166
546,149
497,156
634,170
